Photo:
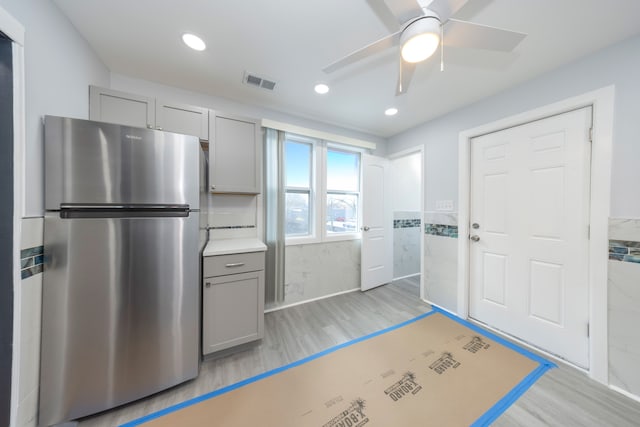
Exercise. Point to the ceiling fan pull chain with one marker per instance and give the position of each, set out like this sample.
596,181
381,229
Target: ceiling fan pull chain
441,47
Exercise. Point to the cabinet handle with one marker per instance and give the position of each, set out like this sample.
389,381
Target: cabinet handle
207,284
159,128
149,126
234,264
213,187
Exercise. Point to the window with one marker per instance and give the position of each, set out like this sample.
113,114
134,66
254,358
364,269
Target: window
322,190
297,182
343,191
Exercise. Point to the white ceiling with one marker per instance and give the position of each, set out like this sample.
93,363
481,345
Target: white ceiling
290,41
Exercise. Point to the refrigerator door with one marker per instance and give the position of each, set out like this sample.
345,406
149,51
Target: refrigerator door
120,315
88,162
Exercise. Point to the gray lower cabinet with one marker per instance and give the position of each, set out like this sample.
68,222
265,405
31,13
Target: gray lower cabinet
233,300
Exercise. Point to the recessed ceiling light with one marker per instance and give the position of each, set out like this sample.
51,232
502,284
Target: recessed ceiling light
391,111
193,41
321,88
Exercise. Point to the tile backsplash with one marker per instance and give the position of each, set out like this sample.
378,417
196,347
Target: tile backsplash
406,243
441,230
624,304
31,261
31,265
624,250
406,223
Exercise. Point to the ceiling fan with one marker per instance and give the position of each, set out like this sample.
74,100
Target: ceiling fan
419,30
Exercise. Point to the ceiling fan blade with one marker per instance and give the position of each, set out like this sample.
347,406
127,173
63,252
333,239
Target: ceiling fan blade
469,10
405,74
404,10
384,14
466,34
369,50
446,8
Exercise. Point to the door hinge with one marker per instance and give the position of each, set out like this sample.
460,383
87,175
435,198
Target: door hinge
588,330
591,134
588,232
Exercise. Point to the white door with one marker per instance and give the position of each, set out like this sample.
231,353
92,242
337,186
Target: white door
377,223
530,212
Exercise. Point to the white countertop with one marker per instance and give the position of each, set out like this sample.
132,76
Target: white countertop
233,246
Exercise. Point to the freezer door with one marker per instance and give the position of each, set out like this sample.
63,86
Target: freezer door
121,310
88,162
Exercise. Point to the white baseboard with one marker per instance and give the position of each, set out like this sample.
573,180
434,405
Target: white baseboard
310,300
405,277
625,393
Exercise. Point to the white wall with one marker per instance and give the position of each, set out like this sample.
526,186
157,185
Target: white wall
59,67
616,65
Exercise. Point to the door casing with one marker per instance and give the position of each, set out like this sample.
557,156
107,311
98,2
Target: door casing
602,101
13,29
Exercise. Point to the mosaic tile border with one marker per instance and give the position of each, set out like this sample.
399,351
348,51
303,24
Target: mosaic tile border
406,223
31,261
441,230
624,250
231,227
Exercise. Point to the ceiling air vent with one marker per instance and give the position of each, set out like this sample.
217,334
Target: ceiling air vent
257,81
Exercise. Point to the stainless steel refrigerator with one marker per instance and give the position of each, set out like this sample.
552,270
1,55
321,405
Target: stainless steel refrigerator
121,302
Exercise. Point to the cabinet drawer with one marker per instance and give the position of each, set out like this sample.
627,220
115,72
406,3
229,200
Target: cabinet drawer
221,265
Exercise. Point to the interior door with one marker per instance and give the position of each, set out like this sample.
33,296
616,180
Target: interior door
377,223
529,231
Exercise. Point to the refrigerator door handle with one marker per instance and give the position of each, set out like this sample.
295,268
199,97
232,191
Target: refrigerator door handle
71,206
123,211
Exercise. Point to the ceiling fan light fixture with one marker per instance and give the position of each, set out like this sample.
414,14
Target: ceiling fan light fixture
420,39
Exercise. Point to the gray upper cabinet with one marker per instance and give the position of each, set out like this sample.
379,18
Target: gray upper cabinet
182,118
234,154
107,105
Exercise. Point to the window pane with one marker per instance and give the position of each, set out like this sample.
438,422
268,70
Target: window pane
297,160
342,213
343,171
297,211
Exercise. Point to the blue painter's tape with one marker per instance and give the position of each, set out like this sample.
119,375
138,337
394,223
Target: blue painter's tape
503,404
272,372
491,415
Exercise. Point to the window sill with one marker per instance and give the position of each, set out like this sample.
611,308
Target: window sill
293,241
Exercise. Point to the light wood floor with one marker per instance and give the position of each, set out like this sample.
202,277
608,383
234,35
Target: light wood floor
563,397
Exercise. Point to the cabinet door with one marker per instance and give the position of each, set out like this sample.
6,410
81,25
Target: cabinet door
234,155
232,310
112,106
181,118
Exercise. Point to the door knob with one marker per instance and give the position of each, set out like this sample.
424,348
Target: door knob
365,228
475,238
475,225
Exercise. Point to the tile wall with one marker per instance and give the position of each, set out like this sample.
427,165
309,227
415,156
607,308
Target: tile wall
233,216
624,304
31,263
441,258
406,243
320,269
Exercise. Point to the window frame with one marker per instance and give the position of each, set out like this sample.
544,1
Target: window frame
347,235
319,192
311,191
